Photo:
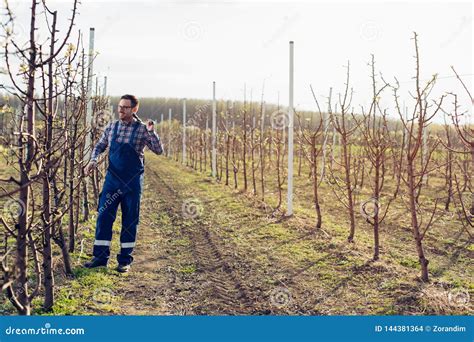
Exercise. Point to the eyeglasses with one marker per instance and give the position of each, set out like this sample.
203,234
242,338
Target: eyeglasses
124,107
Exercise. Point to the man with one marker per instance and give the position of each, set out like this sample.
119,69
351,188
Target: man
126,139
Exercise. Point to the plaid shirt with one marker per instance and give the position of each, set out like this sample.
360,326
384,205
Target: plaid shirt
142,138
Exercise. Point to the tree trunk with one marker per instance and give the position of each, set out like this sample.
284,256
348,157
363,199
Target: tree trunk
414,222
314,167
350,198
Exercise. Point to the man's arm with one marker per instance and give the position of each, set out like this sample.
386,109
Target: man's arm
152,140
101,144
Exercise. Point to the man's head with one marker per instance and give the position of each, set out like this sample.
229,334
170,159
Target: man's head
128,105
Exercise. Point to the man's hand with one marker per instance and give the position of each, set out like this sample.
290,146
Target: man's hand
91,166
150,125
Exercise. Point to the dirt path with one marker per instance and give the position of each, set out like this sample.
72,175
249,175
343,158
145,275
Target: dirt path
178,267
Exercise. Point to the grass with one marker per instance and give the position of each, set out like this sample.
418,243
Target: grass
324,273
90,292
188,269
256,237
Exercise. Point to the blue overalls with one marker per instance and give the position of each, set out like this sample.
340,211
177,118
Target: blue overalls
122,185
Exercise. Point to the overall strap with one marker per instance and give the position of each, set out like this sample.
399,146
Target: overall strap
114,135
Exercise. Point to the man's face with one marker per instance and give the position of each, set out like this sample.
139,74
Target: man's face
125,110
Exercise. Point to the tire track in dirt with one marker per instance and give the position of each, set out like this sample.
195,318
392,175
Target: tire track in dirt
147,288
218,290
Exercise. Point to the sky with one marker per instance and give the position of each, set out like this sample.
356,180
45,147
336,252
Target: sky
178,48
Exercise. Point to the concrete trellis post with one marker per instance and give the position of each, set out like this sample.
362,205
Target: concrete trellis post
105,87
213,142
326,120
161,125
335,137
169,133
184,131
90,71
290,137
19,112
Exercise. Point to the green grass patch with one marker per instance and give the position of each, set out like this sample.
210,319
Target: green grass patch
409,262
92,291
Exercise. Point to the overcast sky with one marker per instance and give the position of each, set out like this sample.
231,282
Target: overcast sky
177,48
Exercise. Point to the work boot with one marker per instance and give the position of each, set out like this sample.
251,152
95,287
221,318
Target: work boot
95,262
122,268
